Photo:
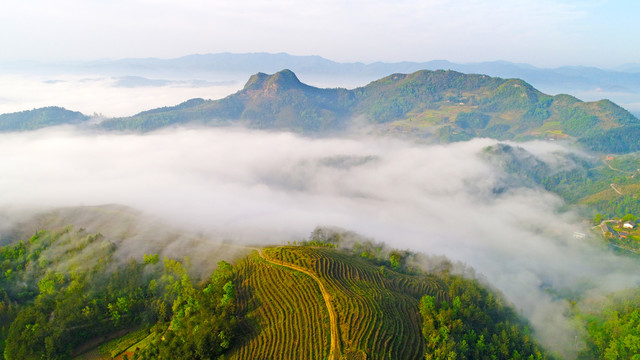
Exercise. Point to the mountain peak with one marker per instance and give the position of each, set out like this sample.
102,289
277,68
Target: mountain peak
282,80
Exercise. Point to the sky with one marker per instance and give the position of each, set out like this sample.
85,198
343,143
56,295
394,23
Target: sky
544,33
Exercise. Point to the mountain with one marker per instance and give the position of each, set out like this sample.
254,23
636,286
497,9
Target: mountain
567,79
631,68
39,118
278,101
447,105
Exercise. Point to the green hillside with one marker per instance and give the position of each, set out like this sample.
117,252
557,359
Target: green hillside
377,310
65,294
613,326
444,105
278,101
447,105
608,185
39,118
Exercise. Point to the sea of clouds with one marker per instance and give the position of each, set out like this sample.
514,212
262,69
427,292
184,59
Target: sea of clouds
257,187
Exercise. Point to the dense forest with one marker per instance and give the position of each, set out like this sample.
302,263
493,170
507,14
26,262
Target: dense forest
64,289
613,327
39,118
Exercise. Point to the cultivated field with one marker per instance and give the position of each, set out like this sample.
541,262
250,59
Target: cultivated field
377,309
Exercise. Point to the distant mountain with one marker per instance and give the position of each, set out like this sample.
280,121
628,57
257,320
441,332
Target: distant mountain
39,118
584,77
447,105
620,84
632,68
625,78
564,79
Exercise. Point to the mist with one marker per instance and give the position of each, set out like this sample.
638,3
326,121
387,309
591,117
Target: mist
118,94
105,95
255,187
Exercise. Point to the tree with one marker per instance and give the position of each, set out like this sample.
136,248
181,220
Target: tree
597,219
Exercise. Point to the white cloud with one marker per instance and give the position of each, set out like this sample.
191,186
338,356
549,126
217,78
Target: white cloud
99,94
262,186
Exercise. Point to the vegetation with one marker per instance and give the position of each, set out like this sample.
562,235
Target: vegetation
376,308
201,322
608,187
120,345
63,289
446,104
39,118
64,292
619,140
58,304
282,313
474,324
377,295
613,329
279,101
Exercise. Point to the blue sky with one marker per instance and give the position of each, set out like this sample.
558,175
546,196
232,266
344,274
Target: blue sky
540,32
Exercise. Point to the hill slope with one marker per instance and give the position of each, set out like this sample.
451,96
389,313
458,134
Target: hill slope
56,303
446,104
39,118
377,311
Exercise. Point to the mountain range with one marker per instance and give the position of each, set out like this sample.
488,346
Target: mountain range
442,105
445,105
624,78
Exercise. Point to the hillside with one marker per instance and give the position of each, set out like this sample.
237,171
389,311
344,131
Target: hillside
376,310
310,301
447,105
607,185
39,118
278,101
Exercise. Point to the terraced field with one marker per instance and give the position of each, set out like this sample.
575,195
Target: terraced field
283,314
334,349
377,310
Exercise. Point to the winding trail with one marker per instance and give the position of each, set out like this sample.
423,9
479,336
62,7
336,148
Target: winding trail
334,351
613,186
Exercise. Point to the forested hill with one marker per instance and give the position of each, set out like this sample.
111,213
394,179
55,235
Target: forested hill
278,101
447,105
39,118
67,294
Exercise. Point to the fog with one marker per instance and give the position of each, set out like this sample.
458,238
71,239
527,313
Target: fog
254,187
119,95
105,95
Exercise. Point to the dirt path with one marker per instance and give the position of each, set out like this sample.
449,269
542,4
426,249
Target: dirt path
613,186
334,352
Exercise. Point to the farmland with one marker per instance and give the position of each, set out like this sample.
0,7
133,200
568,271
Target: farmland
377,310
283,314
